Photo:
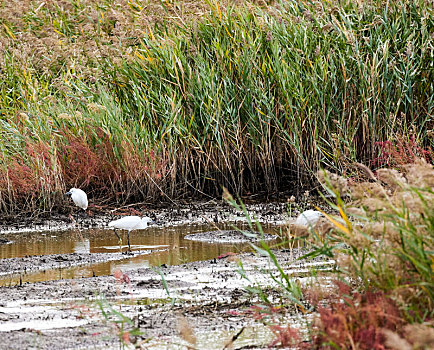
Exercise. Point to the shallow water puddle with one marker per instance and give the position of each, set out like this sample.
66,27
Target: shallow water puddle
153,246
42,325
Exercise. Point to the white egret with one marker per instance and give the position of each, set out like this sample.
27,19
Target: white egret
79,197
308,218
129,223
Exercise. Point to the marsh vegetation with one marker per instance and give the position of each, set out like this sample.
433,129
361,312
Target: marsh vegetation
147,100
140,102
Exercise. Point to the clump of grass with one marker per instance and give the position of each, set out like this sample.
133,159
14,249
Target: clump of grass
390,249
384,257
123,326
382,241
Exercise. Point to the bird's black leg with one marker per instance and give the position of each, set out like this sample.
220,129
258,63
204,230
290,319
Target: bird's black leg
119,237
85,216
81,217
76,217
129,247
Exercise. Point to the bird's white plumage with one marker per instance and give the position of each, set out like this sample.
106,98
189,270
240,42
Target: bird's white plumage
79,197
308,218
130,223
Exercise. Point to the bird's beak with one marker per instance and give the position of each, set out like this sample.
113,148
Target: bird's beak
68,193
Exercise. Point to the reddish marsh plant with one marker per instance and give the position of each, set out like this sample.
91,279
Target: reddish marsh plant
357,321
286,336
401,152
86,158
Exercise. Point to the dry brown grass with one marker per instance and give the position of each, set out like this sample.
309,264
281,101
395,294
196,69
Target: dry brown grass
391,236
47,37
384,256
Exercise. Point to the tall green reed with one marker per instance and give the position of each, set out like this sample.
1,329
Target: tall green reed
259,92
253,100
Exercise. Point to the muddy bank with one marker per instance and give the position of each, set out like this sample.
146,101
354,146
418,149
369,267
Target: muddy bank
61,261
203,212
231,236
211,296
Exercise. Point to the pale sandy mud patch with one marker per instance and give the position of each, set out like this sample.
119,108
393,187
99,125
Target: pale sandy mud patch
30,264
230,236
211,295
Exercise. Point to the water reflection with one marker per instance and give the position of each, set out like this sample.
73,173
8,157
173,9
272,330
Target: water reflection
82,246
164,245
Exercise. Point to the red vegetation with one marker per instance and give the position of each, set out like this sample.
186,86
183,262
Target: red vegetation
142,166
401,152
121,276
285,337
21,178
357,321
85,161
25,179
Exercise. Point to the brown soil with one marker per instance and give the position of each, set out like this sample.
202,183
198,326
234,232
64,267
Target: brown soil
208,300
209,296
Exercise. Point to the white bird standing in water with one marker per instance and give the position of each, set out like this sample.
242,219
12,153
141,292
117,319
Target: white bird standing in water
308,218
79,197
129,223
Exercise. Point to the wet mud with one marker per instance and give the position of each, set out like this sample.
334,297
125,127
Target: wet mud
60,261
208,298
233,236
211,212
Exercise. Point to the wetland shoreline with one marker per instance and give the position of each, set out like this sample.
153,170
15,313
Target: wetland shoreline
209,294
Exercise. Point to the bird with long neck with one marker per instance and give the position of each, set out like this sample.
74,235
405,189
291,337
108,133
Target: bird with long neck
129,223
